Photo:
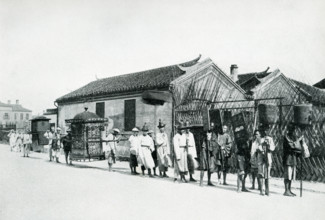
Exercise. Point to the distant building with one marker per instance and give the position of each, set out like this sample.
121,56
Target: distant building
52,114
14,115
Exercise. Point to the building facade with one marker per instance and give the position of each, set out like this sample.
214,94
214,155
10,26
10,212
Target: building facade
14,115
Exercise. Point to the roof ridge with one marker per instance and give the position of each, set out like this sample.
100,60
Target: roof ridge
162,67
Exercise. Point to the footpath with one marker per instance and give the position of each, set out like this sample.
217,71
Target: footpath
276,184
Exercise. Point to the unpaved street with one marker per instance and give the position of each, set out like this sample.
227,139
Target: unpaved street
34,188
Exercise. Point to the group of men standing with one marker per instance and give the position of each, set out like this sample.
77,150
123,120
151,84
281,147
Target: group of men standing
57,141
20,141
150,152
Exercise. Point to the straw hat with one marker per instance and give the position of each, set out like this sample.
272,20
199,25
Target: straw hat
150,131
116,130
135,129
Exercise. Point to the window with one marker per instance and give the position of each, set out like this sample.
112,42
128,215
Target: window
21,116
100,109
6,116
27,116
16,116
129,114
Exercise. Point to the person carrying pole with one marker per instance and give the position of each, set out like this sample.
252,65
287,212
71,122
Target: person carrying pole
291,150
208,155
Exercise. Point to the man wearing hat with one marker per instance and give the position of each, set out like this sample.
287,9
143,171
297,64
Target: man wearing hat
163,149
27,141
134,150
12,139
191,150
180,150
154,153
110,147
67,145
56,144
147,146
49,135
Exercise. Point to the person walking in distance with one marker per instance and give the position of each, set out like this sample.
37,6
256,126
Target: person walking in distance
56,144
49,135
27,141
12,139
67,145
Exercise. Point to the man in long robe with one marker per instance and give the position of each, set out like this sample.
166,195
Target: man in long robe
163,150
191,151
27,141
180,150
147,146
154,153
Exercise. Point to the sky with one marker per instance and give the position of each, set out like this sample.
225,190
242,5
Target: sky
49,48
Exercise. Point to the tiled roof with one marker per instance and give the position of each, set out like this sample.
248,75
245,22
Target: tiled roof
320,84
316,95
243,78
150,79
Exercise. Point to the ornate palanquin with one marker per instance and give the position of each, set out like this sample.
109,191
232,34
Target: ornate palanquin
86,128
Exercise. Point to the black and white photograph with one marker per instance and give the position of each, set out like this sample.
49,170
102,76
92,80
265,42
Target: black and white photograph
149,110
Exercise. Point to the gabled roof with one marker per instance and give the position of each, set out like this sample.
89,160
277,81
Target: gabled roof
320,84
245,77
313,94
158,78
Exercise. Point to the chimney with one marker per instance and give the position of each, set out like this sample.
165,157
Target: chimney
234,72
9,102
17,101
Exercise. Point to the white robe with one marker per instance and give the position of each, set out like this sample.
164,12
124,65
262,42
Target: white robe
163,150
191,144
147,146
180,152
12,139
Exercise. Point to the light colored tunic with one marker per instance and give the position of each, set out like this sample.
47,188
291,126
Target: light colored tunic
110,147
163,150
135,144
12,139
261,157
180,152
147,146
191,144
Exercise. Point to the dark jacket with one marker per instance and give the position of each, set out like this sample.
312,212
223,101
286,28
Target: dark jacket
67,142
291,149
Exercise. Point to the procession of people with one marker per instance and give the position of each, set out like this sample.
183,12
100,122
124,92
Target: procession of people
150,151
